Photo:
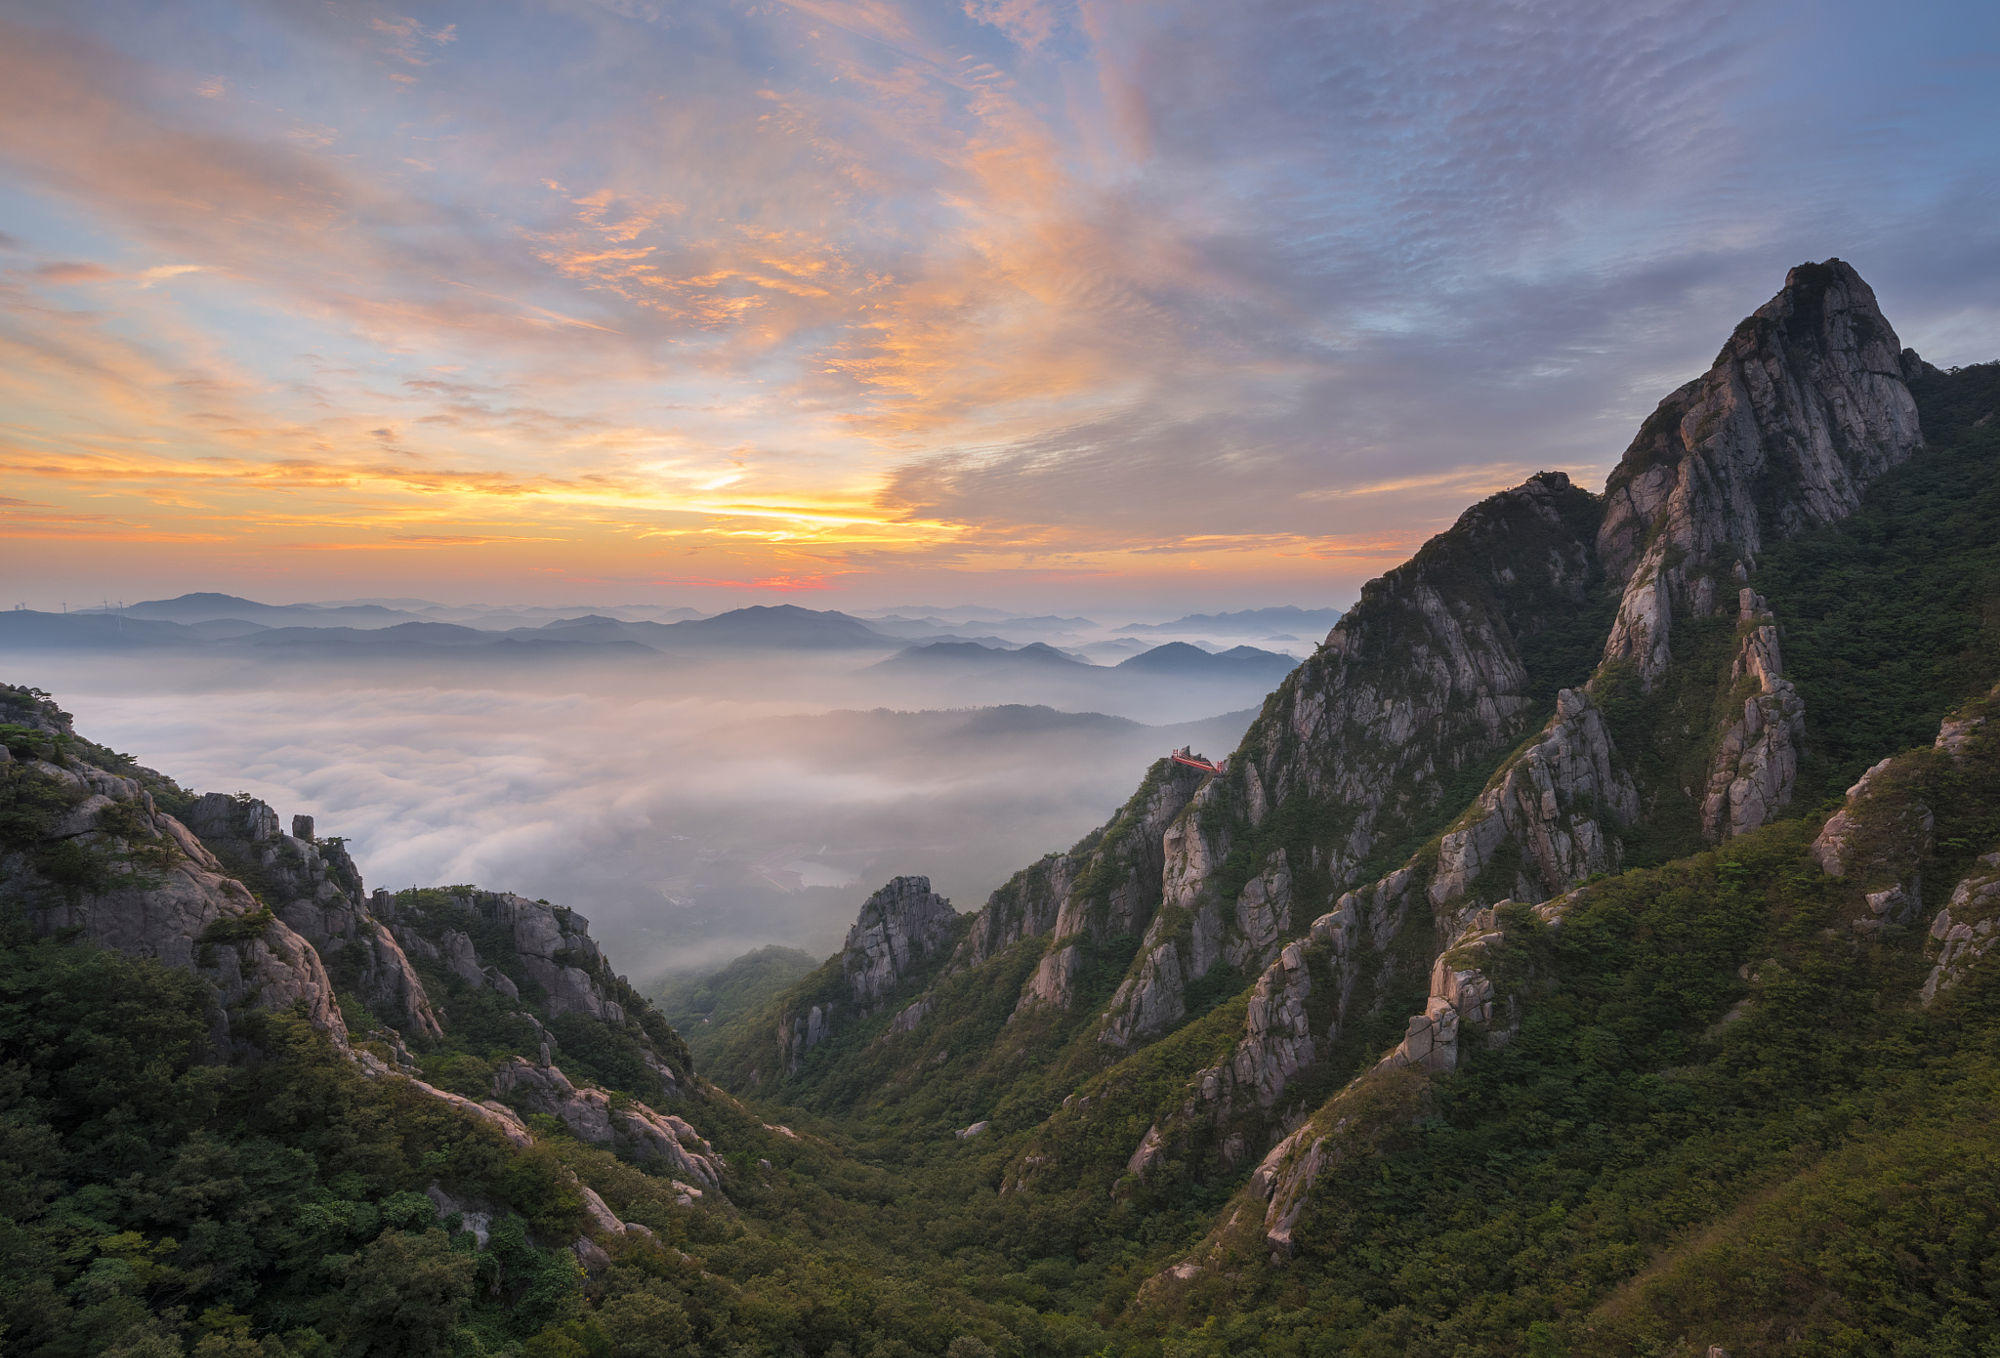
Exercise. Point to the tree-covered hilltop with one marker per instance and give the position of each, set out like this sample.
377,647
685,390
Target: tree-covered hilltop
1586,952
700,1004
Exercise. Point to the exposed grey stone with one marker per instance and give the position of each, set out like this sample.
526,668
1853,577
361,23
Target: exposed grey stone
633,1129
1556,803
1804,407
1756,760
899,926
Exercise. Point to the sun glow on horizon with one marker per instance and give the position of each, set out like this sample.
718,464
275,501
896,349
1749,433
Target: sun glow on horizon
860,297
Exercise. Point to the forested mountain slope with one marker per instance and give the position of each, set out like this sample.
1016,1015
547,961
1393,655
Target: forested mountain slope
248,1108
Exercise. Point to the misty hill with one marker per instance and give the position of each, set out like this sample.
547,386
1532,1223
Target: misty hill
1173,686
779,626
960,614
501,617
193,608
773,627
972,657
25,628
372,613
695,1003
399,635
1177,658
1248,622
885,737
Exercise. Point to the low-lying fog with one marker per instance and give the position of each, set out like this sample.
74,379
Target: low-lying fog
691,807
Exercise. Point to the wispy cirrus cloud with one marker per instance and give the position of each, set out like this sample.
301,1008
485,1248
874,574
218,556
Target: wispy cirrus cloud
876,288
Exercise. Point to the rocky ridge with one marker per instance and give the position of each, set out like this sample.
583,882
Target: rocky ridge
281,922
899,930
1874,844
1808,400
1101,889
315,889
1756,761
92,851
1805,405
1809,397
1341,850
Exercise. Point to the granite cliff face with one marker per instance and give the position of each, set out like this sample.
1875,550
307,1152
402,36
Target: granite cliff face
1556,808
282,922
1432,675
1806,404
633,1129
316,890
1433,672
1804,407
1757,759
1106,887
90,850
900,929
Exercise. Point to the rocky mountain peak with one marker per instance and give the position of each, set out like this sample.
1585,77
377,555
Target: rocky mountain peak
899,926
1804,406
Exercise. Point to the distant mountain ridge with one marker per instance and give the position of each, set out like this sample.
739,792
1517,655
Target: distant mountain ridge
1260,622
276,628
934,655
1179,658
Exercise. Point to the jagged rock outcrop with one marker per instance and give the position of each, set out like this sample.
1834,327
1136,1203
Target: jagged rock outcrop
1965,929
1548,821
632,1129
1805,405
315,888
101,858
1194,929
1263,915
1108,885
1462,999
1150,999
498,1116
534,944
1429,673
1424,676
1757,760
1837,840
1053,980
907,1019
251,909
1026,906
1878,841
1461,994
898,927
1295,1014
1278,1041
799,1033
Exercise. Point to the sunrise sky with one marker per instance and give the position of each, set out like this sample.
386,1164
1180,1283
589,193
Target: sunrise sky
1034,302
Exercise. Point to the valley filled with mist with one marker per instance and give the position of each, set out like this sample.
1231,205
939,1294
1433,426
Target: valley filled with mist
697,787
